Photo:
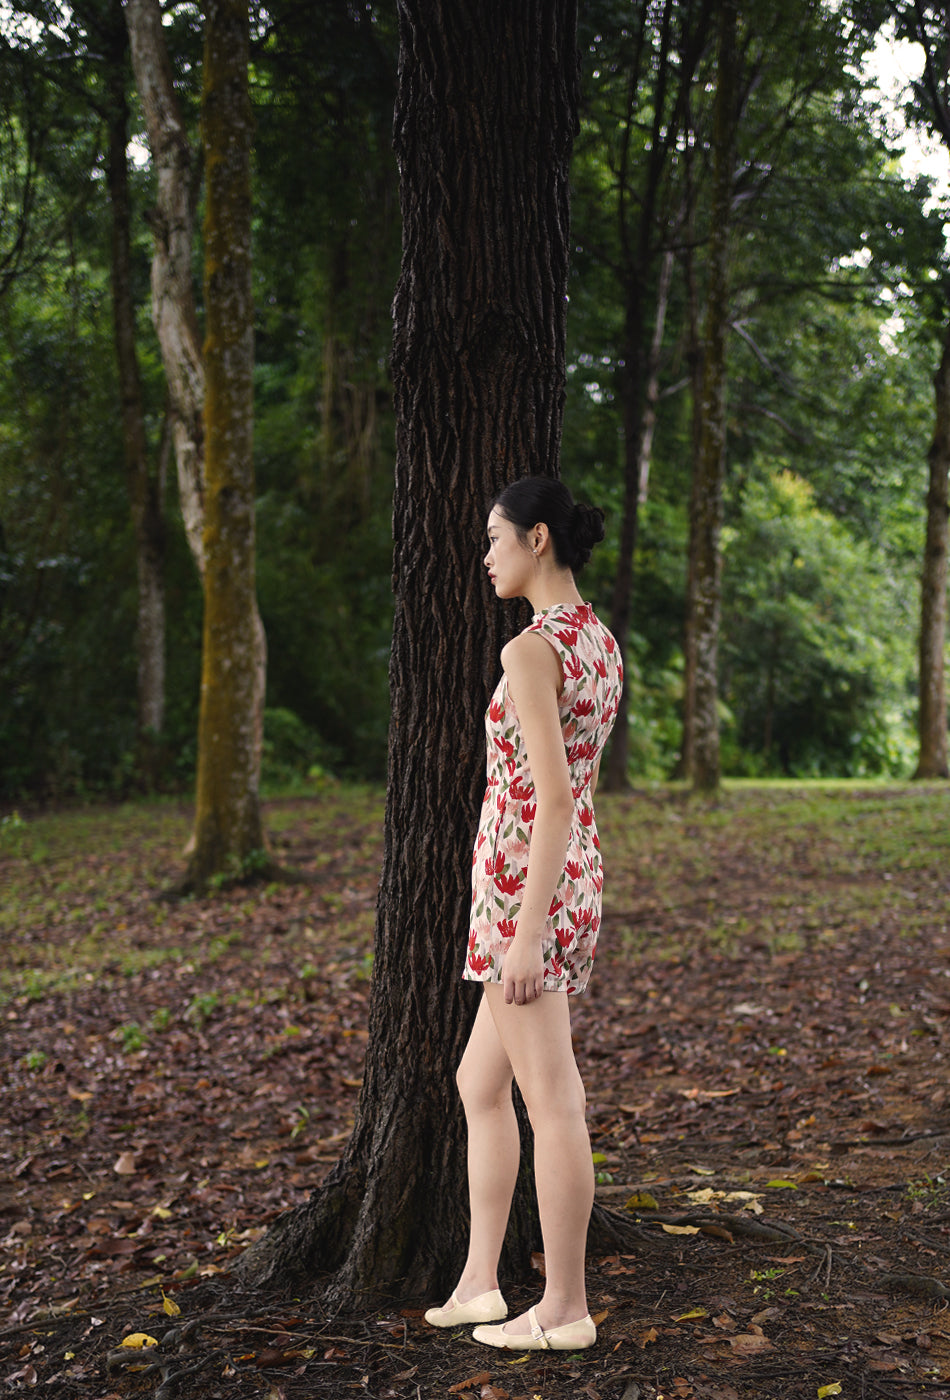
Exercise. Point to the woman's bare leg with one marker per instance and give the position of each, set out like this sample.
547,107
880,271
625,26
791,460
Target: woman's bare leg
536,1038
494,1152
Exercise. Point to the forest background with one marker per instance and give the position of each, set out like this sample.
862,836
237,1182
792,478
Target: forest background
838,302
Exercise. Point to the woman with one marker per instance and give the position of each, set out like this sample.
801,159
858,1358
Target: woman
534,923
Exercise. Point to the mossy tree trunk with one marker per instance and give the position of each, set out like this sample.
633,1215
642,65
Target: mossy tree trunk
145,483
705,515
228,829
172,224
932,721
485,120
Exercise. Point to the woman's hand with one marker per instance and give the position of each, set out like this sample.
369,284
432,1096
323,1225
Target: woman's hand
523,969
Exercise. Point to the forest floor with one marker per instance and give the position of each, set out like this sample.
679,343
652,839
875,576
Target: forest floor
765,1046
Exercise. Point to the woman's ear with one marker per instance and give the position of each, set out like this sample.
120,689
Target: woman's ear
540,536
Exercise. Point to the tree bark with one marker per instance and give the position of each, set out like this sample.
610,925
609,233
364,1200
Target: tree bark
932,719
172,222
485,120
704,581
146,487
228,828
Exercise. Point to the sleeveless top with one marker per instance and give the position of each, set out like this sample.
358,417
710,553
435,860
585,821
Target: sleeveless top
587,706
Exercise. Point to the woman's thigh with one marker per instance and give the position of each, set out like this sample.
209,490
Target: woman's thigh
536,1038
484,1073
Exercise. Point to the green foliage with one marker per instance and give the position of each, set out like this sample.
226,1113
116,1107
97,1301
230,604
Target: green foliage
839,285
815,663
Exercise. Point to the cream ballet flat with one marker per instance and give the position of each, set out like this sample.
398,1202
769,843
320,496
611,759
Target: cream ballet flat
487,1307
572,1336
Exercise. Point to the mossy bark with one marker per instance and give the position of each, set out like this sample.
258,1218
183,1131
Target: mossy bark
485,120
172,224
228,828
932,720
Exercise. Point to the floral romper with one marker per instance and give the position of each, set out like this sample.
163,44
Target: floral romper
588,706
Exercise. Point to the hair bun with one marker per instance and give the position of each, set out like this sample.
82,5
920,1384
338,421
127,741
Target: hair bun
588,525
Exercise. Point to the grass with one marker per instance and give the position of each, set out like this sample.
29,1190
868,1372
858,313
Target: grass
823,860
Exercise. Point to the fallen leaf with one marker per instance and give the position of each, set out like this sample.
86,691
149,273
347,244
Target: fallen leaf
169,1306
641,1200
681,1229
645,1338
833,1389
750,1344
126,1164
694,1312
537,1263
482,1378
780,1185
138,1340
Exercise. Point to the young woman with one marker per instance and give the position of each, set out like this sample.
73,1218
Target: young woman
534,921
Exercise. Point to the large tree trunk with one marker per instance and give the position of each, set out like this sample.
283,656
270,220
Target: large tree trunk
228,829
485,119
704,578
172,221
146,488
932,722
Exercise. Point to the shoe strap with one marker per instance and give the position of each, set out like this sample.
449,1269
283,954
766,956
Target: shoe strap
537,1331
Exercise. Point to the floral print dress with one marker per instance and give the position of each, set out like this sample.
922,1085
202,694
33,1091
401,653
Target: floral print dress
588,705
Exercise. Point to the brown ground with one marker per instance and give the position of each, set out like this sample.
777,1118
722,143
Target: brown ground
769,1016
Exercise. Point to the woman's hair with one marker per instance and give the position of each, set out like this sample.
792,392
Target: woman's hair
574,527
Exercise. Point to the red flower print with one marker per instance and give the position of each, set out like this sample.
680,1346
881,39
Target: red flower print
596,840
573,667
569,638
478,963
506,746
583,707
600,666
519,792
557,964
556,904
472,940
507,927
565,936
528,810
496,711
580,918
495,864
595,923
574,869
586,817
509,884
609,644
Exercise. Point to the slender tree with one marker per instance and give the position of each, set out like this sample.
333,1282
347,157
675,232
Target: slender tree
485,120
145,483
228,828
929,26
705,569
173,221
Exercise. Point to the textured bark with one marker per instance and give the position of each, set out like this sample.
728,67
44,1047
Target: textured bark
704,580
932,721
485,120
228,829
146,486
172,222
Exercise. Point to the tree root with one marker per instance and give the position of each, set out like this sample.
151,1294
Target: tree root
922,1285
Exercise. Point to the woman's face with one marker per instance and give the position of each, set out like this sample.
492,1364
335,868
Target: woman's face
509,560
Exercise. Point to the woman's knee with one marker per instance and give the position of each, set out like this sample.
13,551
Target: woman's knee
560,1101
482,1092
